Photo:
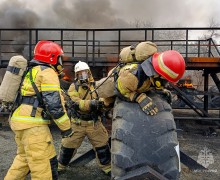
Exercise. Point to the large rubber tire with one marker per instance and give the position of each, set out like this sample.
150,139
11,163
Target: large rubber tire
139,140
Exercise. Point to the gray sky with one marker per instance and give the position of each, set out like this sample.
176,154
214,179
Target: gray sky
191,13
112,13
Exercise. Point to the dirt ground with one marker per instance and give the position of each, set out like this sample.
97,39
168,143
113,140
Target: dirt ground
194,138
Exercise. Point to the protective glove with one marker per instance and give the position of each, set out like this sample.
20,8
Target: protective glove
147,105
46,115
107,101
96,105
167,95
67,133
75,105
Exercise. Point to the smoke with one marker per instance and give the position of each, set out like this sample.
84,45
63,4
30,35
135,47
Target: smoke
99,14
105,14
16,15
54,14
187,13
80,14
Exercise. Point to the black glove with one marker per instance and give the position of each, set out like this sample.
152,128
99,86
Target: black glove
96,105
148,106
46,115
67,133
76,106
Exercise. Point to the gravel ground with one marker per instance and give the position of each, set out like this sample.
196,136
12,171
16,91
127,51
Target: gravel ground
87,172
190,135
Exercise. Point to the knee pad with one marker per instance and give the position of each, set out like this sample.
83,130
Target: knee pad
65,155
103,154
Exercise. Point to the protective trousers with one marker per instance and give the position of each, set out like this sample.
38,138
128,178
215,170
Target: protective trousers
35,154
97,135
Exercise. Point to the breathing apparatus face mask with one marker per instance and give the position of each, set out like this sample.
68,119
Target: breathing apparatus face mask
83,76
59,67
160,82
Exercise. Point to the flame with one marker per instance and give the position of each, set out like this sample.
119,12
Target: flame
186,82
67,77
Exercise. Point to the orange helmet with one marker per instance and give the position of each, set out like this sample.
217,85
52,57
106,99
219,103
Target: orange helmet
169,64
48,52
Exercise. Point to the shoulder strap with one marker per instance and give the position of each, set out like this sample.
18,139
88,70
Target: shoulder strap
18,97
39,97
95,90
77,88
87,92
76,85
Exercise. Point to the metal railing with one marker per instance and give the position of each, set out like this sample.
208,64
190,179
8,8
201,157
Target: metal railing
101,47
98,44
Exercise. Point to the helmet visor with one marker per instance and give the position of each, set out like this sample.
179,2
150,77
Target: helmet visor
148,67
83,75
60,60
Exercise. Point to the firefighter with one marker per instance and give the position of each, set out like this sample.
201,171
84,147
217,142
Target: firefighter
86,120
135,80
40,102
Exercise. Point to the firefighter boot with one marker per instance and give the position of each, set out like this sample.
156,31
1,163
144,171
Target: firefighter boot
65,155
104,156
61,168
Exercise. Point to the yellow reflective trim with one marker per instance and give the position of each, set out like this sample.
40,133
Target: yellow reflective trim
166,69
27,82
50,87
129,67
62,119
120,88
107,170
28,119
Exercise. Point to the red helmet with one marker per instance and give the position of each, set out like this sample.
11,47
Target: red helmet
48,52
169,64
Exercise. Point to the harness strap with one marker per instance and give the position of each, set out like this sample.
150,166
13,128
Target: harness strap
39,97
30,100
88,90
13,70
33,101
85,117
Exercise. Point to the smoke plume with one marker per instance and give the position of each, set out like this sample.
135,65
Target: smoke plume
23,14
99,14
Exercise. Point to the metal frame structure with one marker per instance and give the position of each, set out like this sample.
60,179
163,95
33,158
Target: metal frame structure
93,42
101,47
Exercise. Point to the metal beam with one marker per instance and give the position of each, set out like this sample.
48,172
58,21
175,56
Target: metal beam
190,163
189,102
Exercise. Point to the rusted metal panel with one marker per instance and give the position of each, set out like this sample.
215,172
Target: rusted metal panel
204,60
195,63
